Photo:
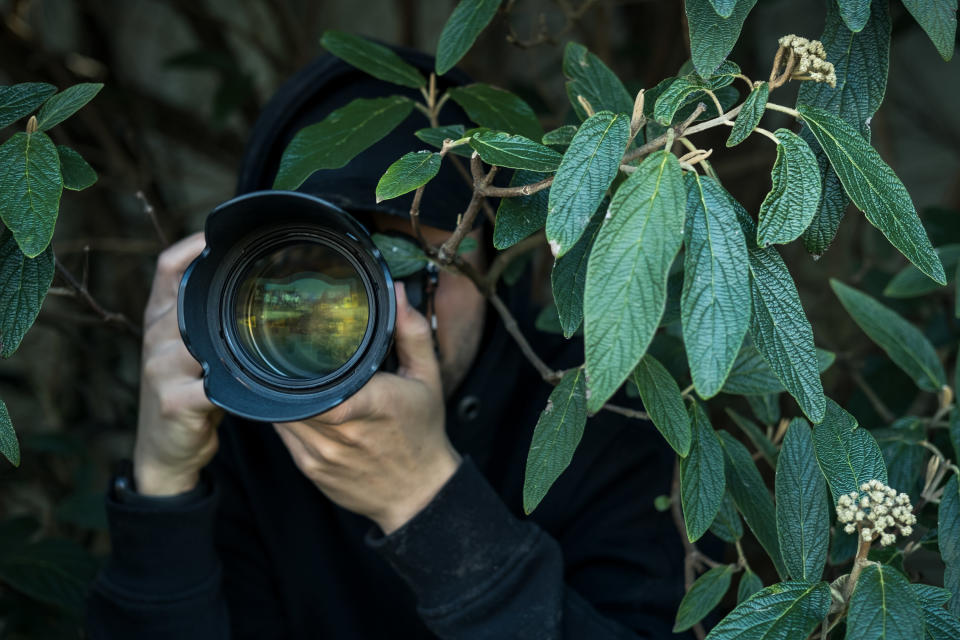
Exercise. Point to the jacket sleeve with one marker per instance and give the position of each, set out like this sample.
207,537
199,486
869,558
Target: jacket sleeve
613,570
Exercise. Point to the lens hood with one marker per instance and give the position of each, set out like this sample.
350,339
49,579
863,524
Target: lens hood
241,232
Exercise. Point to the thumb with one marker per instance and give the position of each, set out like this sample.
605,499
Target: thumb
414,341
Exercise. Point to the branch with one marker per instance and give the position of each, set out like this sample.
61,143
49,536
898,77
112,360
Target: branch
504,258
107,316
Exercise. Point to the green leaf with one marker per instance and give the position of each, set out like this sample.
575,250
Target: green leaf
765,407
939,19
803,520
702,479
436,135
948,523
31,184
9,445
704,594
569,275
782,611
555,437
54,571
911,282
752,497
24,282
372,58
561,136
883,607
403,256
407,174
626,288
860,62
757,437
874,188
938,623
61,106
715,304
928,594
22,99
905,344
468,19
749,117
751,375
687,89
726,525
951,580
589,77
724,7
77,174
586,172
855,13
955,429
514,152
497,109
792,202
662,400
750,583
847,454
779,327
338,138
711,36
521,216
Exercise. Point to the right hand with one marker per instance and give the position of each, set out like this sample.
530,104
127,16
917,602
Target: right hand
177,425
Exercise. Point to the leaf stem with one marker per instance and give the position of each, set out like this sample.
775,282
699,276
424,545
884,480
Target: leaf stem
779,107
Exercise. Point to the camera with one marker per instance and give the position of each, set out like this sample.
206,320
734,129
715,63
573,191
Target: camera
290,308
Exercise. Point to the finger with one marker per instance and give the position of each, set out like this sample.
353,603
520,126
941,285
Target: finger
170,267
414,341
170,360
298,451
186,397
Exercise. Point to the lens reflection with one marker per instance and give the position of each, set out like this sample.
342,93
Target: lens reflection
302,311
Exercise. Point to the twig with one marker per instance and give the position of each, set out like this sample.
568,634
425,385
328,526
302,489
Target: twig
875,401
504,258
690,550
152,214
449,248
107,316
510,324
626,411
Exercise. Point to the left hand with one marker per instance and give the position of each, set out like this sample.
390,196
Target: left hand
384,452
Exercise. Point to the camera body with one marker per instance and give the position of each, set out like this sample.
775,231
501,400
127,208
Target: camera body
290,309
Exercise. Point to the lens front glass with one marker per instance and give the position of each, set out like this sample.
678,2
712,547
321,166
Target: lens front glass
302,311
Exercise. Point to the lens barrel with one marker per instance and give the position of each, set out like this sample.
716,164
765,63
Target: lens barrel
290,308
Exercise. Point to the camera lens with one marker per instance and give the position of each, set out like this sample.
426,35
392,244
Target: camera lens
302,311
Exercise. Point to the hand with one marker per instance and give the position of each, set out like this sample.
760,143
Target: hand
176,430
384,452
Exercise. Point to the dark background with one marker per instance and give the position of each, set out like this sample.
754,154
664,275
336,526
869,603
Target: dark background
185,80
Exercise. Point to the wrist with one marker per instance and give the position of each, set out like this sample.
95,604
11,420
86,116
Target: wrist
401,512
151,481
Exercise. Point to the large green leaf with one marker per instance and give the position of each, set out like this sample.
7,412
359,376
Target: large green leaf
372,58
410,172
568,277
848,455
910,282
704,594
711,36
948,523
726,525
749,116
939,19
662,400
587,76
779,327
497,109
715,304
514,152
626,288
905,344
586,172
24,282
938,623
782,611
702,480
61,106
403,256
338,138
518,217
22,99
31,184
883,607
687,89
803,519
77,174
860,62
555,437
955,429
54,571
792,202
874,188
752,497
855,13
468,19
765,407
751,375
9,445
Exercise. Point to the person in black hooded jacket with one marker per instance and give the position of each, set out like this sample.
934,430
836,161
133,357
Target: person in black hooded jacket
398,513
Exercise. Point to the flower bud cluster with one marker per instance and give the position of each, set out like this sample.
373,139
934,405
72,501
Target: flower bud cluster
811,60
878,511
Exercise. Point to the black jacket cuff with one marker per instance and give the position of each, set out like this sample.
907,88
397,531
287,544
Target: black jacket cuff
459,544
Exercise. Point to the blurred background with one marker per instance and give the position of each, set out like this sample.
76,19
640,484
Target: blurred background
184,83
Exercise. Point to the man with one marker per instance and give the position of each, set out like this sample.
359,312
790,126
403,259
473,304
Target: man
398,513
